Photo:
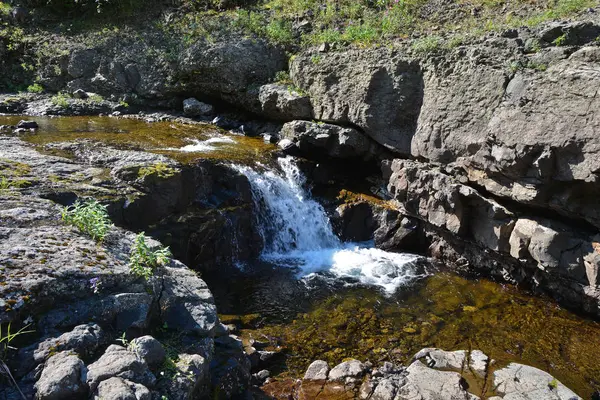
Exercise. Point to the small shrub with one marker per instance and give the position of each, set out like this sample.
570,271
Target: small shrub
537,66
95,98
279,31
283,77
143,260
60,100
553,384
35,88
89,217
315,59
559,41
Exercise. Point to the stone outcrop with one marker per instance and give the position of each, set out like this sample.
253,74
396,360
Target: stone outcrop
378,90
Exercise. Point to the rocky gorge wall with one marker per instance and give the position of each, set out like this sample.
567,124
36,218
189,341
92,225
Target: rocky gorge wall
491,146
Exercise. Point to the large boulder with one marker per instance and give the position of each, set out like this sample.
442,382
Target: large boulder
518,381
378,90
64,377
120,362
229,70
429,384
283,102
327,139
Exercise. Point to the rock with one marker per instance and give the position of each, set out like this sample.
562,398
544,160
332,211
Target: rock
287,146
83,340
575,33
591,261
186,303
80,94
378,90
317,370
386,389
332,140
64,376
284,103
120,362
192,380
215,69
27,125
428,384
478,362
440,359
83,63
230,369
352,369
521,133
150,349
395,232
356,220
195,108
324,48
520,238
121,389
518,381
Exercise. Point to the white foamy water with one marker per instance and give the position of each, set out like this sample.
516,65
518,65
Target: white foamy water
204,145
298,233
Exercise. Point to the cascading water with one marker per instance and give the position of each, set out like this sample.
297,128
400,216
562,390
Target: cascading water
297,233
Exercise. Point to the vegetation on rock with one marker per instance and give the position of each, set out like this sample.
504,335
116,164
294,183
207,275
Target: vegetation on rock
143,259
89,217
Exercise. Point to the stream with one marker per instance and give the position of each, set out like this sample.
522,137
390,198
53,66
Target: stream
312,296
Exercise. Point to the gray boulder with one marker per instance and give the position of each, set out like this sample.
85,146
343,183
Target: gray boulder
195,108
186,302
517,381
333,140
64,377
317,370
150,349
352,369
121,389
284,103
378,90
229,70
428,384
120,362
440,359
83,340
192,380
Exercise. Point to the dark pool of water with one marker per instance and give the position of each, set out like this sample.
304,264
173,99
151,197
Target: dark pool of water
332,321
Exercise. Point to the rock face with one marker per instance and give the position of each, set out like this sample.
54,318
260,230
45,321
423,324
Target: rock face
378,90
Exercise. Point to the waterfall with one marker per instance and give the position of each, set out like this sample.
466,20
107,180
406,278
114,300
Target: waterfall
297,233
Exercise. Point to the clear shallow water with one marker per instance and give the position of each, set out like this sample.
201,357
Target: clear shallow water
297,233
185,143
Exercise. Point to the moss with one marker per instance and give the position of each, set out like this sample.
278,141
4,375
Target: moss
159,169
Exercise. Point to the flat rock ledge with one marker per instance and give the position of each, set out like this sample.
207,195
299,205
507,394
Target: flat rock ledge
434,374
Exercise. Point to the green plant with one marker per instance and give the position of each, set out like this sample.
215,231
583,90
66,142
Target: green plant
283,77
123,103
35,88
426,45
161,169
553,384
143,260
95,98
559,41
537,66
60,100
89,217
315,59
6,337
6,184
